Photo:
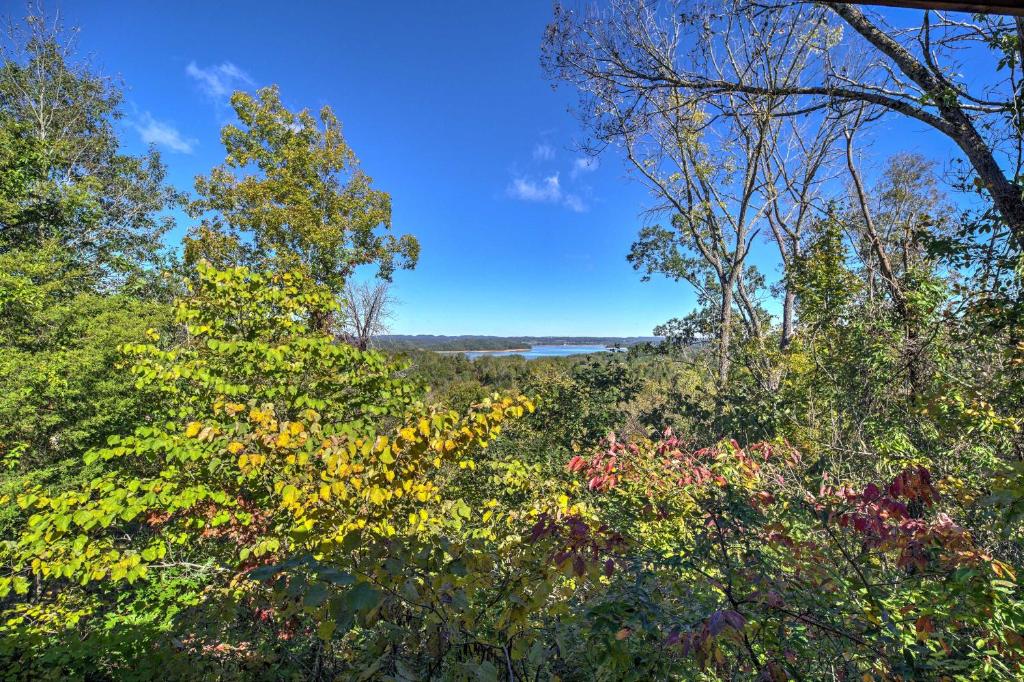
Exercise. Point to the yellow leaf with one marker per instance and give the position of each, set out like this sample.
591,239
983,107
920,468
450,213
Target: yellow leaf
424,427
192,429
325,492
234,447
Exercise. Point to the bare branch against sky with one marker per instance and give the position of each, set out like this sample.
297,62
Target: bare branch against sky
1014,7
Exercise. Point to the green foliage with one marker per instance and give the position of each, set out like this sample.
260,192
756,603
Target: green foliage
79,237
274,451
824,286
584,402
61,386
221,489
290,195
65,181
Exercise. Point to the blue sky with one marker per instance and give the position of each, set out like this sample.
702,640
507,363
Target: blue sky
448,109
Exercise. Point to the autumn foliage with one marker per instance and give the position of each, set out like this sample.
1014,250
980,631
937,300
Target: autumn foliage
877,576
818,476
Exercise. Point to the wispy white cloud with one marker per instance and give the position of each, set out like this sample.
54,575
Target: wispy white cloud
585,164
219,80
547,191
543,152
574,203
162,134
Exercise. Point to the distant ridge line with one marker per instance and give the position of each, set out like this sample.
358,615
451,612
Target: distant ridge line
475,342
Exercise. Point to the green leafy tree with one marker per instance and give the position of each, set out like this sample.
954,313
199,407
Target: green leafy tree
581,403
68,182
62,388
290,195
824,285
80,250
275,452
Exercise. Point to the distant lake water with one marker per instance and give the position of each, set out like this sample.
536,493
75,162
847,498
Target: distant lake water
543,352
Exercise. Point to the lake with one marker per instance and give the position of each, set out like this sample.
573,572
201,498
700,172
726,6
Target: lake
543,352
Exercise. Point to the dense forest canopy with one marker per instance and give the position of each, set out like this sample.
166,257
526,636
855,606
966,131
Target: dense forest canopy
209,471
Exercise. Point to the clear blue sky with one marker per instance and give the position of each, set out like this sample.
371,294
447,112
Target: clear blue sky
447,107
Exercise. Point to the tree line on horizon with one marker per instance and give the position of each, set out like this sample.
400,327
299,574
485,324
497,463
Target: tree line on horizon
209,472
463,342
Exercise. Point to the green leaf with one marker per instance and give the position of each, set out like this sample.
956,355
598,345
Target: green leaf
363,597
316,595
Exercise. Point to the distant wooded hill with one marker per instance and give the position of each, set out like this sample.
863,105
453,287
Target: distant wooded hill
469,342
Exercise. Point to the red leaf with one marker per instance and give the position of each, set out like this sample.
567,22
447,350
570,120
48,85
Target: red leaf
720,620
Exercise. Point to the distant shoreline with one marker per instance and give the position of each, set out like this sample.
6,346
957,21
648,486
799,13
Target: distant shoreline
479,343
492,350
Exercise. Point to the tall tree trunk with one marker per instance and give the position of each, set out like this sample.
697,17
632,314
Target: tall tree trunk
884,264
724,333
911,346
788,309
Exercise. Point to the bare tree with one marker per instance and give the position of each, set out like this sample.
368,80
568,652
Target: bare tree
707,179
728,165
367,309
800,162
797,51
